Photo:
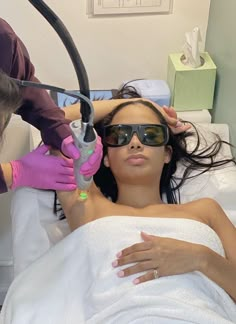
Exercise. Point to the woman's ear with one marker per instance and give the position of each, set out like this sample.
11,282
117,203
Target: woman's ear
106,161
168,154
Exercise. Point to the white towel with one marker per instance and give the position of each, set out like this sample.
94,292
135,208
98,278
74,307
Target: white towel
74,282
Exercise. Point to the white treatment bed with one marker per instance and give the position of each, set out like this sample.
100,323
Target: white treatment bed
35,227
63,277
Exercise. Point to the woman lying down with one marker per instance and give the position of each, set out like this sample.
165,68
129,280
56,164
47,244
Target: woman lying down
135,259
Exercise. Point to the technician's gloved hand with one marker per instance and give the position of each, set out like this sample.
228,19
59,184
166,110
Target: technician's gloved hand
90,167
42,171
69,149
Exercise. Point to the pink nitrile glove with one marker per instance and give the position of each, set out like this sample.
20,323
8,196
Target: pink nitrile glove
69,149
41,171
91,166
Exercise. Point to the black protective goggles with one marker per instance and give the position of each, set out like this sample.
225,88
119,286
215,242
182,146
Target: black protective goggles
148,134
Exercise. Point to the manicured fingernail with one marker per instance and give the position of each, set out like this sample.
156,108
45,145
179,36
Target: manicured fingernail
120,274
115,263
136,281
179,124
119,254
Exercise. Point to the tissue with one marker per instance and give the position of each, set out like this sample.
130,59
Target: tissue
191,51
191,88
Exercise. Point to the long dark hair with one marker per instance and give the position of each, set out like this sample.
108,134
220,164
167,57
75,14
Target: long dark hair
10,100
196,161
193,160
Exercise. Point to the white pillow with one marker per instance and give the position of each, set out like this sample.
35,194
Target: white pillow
219,183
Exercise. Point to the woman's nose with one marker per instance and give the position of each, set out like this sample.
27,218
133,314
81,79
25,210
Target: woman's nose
135,142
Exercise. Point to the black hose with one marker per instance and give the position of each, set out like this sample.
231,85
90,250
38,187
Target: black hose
23,83
68,42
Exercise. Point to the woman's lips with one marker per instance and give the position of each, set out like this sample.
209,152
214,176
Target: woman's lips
136,159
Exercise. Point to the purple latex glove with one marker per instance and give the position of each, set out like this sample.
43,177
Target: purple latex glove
69,149
42,171
90,167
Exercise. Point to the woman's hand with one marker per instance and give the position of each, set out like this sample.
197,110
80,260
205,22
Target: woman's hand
174,123
170,116
159,256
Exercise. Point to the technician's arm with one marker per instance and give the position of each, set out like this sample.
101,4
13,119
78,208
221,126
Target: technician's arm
38,108
38,170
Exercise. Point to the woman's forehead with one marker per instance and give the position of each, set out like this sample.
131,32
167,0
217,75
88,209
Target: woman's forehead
135,114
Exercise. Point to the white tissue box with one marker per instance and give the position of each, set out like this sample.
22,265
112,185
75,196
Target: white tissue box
191,88
155,90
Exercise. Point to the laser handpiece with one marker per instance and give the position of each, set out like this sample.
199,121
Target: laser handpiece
83,132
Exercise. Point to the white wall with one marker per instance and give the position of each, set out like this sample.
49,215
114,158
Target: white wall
223,50
113,49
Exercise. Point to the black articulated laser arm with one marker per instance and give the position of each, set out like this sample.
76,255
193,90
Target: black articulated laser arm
82,130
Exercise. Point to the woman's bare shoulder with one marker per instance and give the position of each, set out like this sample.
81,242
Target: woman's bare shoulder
203,202
203,209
